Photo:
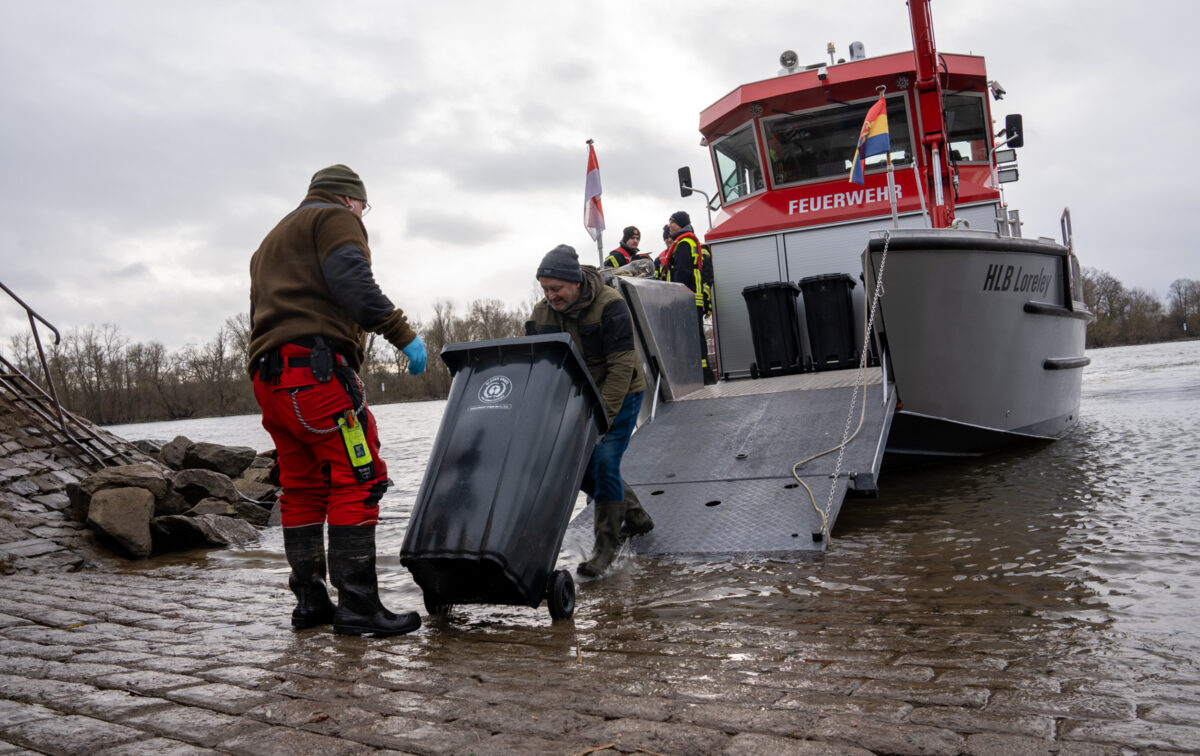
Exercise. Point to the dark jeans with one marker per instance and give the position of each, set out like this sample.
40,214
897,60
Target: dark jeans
602,481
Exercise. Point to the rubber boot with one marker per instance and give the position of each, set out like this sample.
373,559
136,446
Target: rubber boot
607,526
352,571
637,520
305,550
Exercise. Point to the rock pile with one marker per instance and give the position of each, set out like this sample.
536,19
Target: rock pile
201,495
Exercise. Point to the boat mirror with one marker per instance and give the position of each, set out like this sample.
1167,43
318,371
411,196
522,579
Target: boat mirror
1014,130
1005,156
685,182
1007,175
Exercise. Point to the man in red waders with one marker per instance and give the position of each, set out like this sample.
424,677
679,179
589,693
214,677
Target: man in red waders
312,298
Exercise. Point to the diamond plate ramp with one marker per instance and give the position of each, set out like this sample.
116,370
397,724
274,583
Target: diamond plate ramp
715,472
734,517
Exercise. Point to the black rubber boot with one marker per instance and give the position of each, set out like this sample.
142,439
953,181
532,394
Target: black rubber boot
637,520
352,571
305,550
607,525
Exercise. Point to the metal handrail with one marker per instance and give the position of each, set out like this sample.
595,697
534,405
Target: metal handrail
37,339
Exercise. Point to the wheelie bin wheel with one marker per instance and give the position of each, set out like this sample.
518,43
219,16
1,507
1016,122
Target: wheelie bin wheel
560,595
754,371
435,606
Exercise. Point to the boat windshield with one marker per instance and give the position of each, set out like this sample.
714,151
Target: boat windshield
965,119
819,144
738,166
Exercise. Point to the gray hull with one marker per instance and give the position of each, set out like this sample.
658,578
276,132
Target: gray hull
983,336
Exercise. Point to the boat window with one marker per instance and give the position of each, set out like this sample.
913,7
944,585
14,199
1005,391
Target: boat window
738,167
965,124
820,144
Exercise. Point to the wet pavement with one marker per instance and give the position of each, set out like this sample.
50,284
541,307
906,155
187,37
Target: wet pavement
181,660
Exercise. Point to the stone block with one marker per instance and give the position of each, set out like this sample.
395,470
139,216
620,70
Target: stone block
891,737
173,451
227,460
179,532
229,699
281,741
754,744
195,485
123,515
143,475
70,734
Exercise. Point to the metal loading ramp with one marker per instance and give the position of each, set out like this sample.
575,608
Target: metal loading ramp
714,469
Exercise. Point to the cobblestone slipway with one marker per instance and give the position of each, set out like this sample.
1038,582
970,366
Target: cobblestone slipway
102,656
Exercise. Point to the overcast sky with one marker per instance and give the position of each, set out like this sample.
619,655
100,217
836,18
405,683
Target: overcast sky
149,146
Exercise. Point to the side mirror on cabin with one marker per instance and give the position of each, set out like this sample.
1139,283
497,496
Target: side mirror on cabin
1014,130
685,182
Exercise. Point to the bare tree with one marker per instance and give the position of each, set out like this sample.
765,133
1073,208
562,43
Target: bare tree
1184,305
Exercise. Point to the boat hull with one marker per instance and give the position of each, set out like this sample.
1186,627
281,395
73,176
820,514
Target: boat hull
982,339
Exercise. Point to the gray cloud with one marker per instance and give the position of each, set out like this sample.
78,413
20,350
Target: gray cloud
150,146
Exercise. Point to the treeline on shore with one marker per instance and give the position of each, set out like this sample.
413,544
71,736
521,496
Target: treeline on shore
1136,316
100,374
104,376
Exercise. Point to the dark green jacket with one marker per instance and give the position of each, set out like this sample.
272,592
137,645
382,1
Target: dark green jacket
602,330
311,276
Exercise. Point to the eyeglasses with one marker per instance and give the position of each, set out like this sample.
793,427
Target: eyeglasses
366,207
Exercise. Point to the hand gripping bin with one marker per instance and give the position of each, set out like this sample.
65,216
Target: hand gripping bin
829,315
519,427
775,328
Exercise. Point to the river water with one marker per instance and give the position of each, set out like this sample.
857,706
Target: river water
1094,538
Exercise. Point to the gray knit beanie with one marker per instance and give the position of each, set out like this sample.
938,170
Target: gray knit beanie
561,263
339,179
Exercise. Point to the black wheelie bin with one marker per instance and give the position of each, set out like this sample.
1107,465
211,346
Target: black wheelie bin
519,427
775,328
829,315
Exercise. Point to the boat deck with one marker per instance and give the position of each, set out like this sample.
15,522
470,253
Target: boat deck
714,468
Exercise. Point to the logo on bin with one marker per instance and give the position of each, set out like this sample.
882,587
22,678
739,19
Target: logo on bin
495,389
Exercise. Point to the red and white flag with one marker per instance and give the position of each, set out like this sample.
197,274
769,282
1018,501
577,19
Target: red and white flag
593,213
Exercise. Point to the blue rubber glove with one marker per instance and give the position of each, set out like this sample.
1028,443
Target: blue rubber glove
415,352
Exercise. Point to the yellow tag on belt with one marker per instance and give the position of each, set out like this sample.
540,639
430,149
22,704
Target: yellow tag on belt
355,440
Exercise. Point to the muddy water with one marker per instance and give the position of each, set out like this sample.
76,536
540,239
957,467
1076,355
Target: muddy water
1082,549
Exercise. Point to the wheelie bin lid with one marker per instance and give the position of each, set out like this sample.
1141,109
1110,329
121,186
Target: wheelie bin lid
770,286
826,278
557,345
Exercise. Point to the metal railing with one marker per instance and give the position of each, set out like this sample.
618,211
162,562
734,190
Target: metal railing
44,403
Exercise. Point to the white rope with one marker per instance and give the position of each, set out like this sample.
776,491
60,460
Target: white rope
860,382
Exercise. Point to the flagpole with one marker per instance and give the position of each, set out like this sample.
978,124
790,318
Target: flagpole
599,231
890,174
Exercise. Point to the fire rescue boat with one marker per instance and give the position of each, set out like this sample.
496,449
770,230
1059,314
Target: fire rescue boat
909,307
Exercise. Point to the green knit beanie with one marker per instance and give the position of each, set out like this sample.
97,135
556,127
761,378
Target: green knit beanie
339,179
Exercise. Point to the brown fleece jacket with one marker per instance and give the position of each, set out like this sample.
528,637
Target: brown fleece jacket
311,276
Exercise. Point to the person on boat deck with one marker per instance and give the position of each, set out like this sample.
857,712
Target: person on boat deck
688,262
628,251
662,256
313,296
578,303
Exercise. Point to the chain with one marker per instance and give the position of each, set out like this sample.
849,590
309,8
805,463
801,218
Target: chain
862,367
304,423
